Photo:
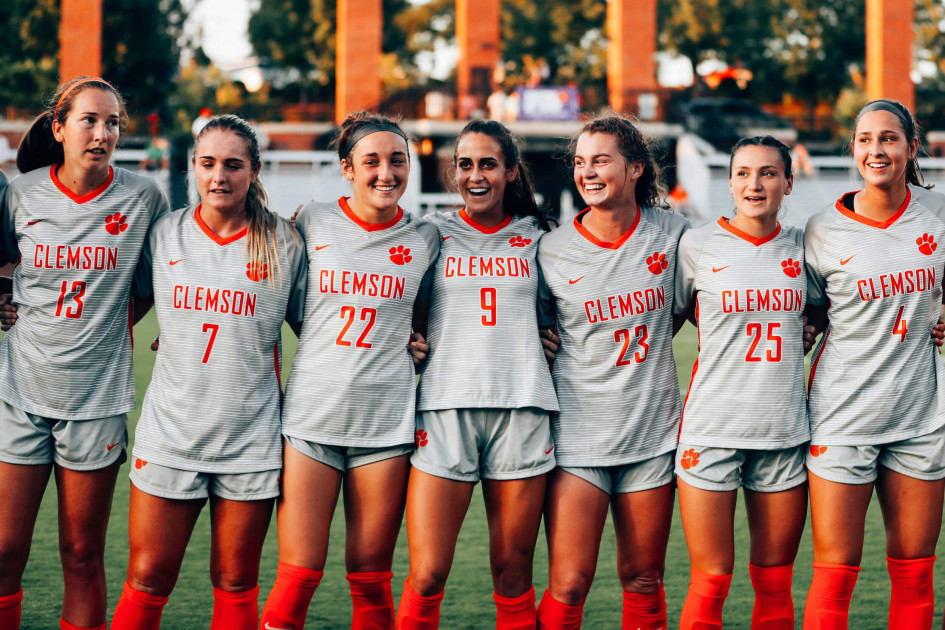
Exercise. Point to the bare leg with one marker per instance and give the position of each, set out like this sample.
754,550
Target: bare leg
642,521
22,490
708,522
776,521
514,512
238,532
375,495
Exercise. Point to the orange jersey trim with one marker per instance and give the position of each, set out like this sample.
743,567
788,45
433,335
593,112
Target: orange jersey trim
616,244
275,356
870,222
478,226
369,227
813,365
219,240
746,236
80,198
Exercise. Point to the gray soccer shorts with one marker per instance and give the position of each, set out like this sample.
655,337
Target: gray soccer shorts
636,477
723,469
173,483
79,445
345,457
921,457
474,444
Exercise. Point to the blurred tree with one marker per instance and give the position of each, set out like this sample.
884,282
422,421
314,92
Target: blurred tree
141,42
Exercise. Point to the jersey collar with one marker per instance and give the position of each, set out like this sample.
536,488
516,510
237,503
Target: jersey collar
80,198
219,240
746,236
867,221
616,244
368,227
478,226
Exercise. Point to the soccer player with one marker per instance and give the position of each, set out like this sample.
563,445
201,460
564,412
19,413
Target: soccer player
350,402
224,275
876,384
611,274
743,279
66,383
486,415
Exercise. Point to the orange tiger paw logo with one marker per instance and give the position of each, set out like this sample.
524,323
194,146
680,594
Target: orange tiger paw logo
791,267
256,271
400,255
817,451
518,241
115,224
689,459
657,262
926,244
140,463
420,439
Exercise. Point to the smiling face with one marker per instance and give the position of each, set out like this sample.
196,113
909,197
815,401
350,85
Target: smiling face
881,150
90,130
223,171
378,170
481,174
601,173
758,182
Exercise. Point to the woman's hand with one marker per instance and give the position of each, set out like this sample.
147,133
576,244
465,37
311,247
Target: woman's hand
8,312
549,343
418,348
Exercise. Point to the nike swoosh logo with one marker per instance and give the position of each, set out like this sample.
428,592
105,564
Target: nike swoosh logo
318,248
718,269
268,627
28,223
843,262
578,280
174,262
549,450
109,447
445,237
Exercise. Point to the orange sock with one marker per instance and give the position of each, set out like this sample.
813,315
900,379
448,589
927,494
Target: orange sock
553,615
235,611
828,600
10,610
138,611
417,612
913,602
65,625
774,608
287,604
372,600
515,613
644,612
703,607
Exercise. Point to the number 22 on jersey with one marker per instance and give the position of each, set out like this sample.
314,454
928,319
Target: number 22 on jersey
348,314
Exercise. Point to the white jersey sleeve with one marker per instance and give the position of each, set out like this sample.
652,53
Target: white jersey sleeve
876,376
353,381
213,404
747,387
69,355
614,373
483,313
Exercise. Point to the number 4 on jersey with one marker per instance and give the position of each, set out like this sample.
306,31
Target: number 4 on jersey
899,328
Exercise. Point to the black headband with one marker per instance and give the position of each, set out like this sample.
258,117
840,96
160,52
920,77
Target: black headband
892,107
367,130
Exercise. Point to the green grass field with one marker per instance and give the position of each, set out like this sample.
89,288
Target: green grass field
468,602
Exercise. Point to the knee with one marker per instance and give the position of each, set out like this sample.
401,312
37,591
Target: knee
151,576
13,559
645,582
512,581
571,588
427,583
82,559
233,581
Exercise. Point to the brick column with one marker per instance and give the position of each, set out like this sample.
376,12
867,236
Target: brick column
631,62
80,39
358,65
477,35
889,42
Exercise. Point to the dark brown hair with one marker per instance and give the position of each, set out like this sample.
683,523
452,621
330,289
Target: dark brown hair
909,127
764,141
355,122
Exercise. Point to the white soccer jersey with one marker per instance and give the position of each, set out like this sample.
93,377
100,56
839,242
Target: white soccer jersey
483,327
614,373
747,387
876,376
69,355
353,381
214,399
